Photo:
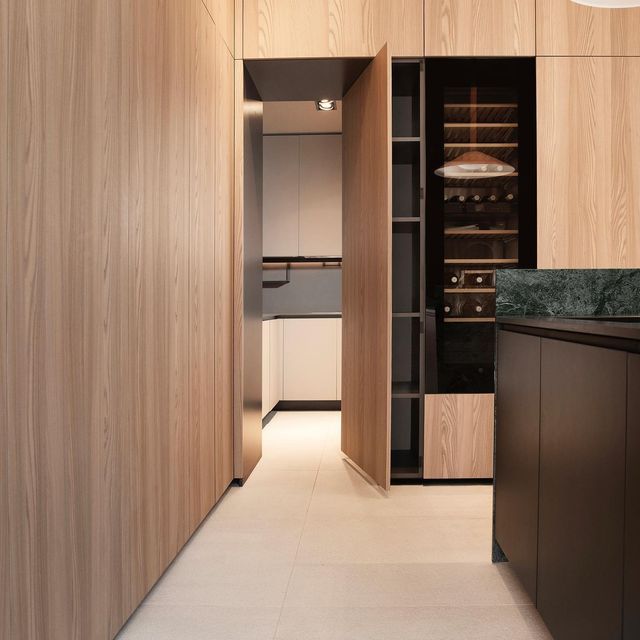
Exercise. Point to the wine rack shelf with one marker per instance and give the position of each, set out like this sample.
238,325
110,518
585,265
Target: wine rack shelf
487,234
479,290
488,261
469,320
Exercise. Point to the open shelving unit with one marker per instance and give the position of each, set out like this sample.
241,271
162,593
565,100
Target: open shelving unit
408,269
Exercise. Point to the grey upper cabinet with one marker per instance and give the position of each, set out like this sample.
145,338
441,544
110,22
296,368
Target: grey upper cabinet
303,195
321,195
281,175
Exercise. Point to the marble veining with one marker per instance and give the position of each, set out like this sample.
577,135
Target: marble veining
568,292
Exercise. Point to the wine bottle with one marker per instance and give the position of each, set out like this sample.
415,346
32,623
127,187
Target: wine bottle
491,198
474,199
473,307
452,278
509,197
456,199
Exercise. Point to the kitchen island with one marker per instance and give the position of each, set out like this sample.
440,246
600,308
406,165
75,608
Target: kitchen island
567,469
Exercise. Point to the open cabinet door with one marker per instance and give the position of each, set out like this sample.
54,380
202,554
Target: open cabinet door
366,284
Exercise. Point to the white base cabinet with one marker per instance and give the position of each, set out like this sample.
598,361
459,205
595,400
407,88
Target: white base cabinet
301,360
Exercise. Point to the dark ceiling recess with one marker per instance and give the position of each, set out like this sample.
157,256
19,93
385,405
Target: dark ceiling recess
305,79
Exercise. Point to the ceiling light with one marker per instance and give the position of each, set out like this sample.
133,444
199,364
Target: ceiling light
609,4
325,105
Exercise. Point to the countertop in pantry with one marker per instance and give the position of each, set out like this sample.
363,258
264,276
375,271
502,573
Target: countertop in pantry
289,316
621,332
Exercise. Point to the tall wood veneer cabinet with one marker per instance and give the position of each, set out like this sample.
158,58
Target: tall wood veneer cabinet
118,325
480,27
325,28
566,28
588,162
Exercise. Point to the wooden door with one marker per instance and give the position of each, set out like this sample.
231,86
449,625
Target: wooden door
480,27
366,284
588,163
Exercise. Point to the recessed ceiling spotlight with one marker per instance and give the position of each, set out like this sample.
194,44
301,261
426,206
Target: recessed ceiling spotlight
609,4
325,105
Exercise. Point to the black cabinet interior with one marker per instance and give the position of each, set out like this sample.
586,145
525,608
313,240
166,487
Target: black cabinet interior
517,453
582,488
476,224
631,623
408,273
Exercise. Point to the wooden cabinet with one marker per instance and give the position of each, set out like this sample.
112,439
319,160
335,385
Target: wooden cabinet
631,621
320,195
458,437
517,453
302,195
588,162
480,27
582,488
565,28
281,204
325,28
310,348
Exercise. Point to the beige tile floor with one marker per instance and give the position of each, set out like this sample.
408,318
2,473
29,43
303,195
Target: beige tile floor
308,550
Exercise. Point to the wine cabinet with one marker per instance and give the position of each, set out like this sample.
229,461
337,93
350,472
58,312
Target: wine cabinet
480,213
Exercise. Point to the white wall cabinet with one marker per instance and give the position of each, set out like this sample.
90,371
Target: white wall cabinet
281,206
321,195
302,195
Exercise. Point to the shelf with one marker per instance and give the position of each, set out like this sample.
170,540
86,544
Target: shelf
471,291
481,145
412,314
300,259
274,284
405,390
405,139
515,174
480,125
469,320
481,105
412,219
481,261
489,234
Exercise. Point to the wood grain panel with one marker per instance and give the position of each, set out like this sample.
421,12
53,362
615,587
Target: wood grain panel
223,14
223,291
67,263
159,310
323,28
565,28
480,27
202,273
458,436
5,579
588,162
366,271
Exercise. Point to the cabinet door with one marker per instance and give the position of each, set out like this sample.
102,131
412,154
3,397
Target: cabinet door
480,27
588,162
321,195
266,390
569,29
325,28
518,453
281,175
366,271
632,514
275,362
310,359
582,484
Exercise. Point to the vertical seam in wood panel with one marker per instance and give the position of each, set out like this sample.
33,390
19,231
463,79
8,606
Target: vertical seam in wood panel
624,492
539,455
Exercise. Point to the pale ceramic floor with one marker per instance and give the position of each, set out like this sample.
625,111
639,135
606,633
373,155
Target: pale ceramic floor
308,550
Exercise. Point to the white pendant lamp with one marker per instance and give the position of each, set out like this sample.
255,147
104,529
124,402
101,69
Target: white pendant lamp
609,4
474,164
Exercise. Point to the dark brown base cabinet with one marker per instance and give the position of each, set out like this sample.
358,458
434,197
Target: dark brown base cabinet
568,481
